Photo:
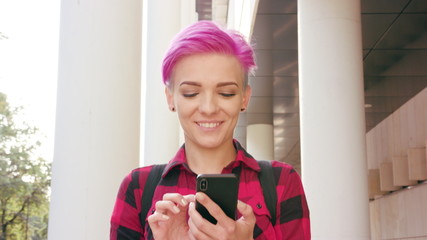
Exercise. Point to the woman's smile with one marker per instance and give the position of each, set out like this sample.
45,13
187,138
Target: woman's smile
209,125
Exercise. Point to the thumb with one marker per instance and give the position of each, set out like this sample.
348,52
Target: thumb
247,212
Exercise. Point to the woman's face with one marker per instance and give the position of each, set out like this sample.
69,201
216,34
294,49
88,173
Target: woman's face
208,93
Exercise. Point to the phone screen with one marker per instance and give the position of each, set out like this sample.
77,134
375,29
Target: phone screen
222,189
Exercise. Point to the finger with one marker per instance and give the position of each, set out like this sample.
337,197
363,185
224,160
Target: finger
195,223
212,207
165,206
224,226
194,214
246,211
190,198
196,233
155,218
176,198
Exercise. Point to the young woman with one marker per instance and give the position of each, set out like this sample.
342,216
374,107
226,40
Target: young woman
205,73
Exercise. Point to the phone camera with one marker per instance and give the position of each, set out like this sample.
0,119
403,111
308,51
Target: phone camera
204,184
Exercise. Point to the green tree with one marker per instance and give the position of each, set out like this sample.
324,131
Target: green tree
24,180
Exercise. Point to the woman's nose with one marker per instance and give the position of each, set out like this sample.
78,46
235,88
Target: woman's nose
208,104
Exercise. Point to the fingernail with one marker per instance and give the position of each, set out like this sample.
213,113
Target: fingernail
165,216
176,209
200,196
184,203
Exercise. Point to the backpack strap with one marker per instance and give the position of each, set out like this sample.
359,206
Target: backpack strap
268,185
153,180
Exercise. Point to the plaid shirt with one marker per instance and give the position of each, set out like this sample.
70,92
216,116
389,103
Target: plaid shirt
292,221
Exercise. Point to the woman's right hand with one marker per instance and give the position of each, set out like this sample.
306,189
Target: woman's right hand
169,221
226,228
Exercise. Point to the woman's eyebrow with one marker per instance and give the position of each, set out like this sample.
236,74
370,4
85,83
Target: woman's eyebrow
223,84
190,83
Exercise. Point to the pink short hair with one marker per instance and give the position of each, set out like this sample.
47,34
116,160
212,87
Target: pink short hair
207,37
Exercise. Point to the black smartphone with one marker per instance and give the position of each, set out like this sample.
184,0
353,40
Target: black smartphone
222,189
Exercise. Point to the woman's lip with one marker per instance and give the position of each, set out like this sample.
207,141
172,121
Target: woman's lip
208,124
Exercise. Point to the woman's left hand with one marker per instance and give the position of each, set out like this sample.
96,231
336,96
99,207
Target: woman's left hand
226,228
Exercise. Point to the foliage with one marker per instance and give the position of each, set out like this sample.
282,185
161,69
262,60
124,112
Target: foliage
2,36
24,182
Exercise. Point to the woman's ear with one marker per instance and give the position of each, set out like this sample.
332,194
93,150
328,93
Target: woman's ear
246,97
169,99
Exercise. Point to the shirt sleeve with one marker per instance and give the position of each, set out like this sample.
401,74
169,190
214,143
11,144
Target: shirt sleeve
125,222
293,222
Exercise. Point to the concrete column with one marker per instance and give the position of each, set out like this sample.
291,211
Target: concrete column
97,119
162,21
241,15
260,141
332,118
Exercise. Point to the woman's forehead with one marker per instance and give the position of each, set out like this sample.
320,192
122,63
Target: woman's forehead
208,68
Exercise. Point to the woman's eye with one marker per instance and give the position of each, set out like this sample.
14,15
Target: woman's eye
189,95
227,94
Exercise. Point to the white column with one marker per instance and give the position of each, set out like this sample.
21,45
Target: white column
162,21
241,15
332,118
97,120
259,141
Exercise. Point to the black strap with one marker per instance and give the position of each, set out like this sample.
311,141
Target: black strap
268,185
149,188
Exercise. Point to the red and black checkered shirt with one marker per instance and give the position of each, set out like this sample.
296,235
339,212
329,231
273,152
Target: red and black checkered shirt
292,221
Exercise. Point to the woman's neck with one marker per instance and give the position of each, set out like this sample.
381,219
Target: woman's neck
209,160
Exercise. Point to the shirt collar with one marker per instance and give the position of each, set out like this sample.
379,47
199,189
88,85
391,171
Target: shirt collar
242,158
